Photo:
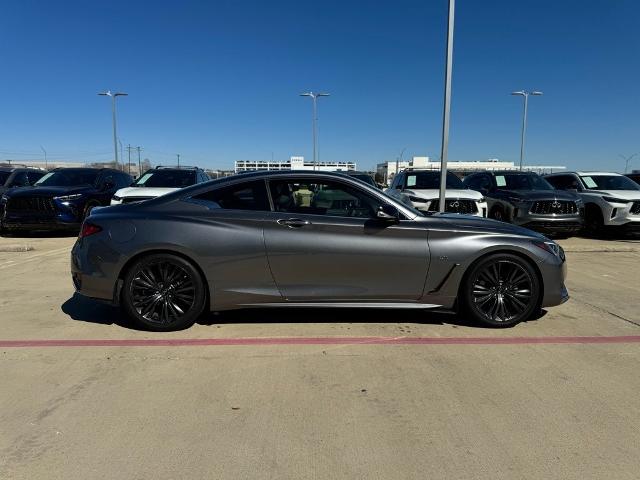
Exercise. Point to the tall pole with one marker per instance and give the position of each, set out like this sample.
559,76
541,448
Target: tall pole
314,122
178,155
627,160
129,152
524,128
398,159
113,96
525,109
447,107
46,165
121,152
139,164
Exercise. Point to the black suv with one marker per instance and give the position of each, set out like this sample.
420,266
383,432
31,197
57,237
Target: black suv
527,199
60,199
13,177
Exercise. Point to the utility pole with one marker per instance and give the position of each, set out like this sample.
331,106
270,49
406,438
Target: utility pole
139,164
178,155
129,152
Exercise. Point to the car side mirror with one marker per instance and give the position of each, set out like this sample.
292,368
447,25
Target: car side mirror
388,213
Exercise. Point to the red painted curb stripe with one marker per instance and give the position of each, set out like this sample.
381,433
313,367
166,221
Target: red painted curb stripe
187,342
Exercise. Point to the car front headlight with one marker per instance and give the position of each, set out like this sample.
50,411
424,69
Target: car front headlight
615,200
66,198
481,200
116,198
516,199
417,199
552,247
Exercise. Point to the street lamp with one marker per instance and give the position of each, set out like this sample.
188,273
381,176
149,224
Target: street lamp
627,160
446,111
314,97
525,95
46,165
113,96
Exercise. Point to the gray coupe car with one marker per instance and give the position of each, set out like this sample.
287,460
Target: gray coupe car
308,239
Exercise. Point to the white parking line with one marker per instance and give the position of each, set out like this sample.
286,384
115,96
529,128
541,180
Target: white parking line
31,258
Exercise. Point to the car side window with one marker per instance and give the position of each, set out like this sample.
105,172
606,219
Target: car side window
241,196
322,197
472,182
34,177
123,180
484,182
564,182
20,179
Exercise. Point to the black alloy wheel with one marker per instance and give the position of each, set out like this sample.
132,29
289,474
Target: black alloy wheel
164,292
502,290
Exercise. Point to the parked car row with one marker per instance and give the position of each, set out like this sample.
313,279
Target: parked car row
556,204
62,198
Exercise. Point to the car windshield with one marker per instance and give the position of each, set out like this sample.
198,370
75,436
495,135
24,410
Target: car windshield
68,178
3,177
609,182
166,179
363,177
431,180
516,181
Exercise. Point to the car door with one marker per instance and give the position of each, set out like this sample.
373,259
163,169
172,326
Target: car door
324,243
228,228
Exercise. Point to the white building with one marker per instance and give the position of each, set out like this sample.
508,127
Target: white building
388,169
294,163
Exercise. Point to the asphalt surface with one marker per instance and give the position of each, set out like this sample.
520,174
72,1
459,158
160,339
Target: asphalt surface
259,394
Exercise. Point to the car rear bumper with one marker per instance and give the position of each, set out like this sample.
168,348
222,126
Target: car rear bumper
91,276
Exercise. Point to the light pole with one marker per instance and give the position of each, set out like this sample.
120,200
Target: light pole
627,160
46,165
525,95
447,107
113,96
399,159
314,97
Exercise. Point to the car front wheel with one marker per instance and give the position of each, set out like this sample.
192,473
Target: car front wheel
501,290
163,292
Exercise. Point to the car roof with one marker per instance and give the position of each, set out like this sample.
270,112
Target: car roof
508,172
585,173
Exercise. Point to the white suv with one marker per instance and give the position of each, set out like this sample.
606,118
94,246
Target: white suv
159,181
421,189
610,199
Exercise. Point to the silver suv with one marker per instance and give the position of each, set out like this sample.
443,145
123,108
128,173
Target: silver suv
611,200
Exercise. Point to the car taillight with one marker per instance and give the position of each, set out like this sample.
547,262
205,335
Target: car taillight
89,229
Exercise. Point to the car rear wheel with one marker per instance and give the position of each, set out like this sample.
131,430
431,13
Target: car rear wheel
501,290
163,292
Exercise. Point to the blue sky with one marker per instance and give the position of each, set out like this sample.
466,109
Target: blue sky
219,81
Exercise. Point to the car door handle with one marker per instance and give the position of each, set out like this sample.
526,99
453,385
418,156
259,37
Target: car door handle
293,222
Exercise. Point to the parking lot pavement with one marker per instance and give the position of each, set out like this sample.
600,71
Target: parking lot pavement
317,410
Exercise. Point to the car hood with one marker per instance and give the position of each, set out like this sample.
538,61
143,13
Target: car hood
486,225
623,194
432,194
48,191
144,191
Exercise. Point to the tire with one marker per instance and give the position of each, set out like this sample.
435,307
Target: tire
594,221
498,214
501,290
163,292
